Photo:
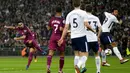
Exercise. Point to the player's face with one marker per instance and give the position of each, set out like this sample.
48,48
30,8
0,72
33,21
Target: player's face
20,25
115,12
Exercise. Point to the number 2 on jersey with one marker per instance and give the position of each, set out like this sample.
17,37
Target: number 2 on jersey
56,27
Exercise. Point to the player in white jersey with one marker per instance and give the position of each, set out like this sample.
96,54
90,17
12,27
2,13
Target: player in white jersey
92,38
77,19
106,38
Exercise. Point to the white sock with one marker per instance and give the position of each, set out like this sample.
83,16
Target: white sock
76,60
98,63
103,56
82,61
117,53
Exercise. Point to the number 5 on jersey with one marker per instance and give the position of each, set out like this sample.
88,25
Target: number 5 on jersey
75,23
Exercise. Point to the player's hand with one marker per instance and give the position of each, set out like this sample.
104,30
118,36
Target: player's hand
60,42
15,38
29,41
5,26
94,31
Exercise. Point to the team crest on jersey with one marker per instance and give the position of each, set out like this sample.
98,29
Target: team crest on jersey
25,30
63,21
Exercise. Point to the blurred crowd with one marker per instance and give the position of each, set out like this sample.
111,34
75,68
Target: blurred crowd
36,14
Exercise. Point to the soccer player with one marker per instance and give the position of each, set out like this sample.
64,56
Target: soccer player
56,24
77,19
28,38
93,38
106,37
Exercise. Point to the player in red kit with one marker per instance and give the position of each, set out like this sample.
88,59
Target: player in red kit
56,24
28,38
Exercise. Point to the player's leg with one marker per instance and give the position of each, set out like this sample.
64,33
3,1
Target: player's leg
52,48
95,48
61,62
103,54
62,54
118,54
76,54
76,58
104,39
83,48
35,55
82,61
98,62
30,57
35,44
49,60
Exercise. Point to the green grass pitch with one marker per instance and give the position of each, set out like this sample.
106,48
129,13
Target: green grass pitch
17,65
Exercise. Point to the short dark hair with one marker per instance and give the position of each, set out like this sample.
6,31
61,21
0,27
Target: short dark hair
58,9
76,3
89,8
112,10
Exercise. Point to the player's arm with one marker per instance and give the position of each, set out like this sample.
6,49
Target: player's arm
89,27
65,31
48,27
63,34
62,26
117,21
20,38
10,27
87,24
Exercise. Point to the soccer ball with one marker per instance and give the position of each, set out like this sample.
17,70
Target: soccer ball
108,52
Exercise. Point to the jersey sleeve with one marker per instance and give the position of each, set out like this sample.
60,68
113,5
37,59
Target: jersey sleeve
115,20
63,23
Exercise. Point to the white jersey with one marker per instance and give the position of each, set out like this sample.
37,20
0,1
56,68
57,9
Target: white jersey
94,23
108,22
76,19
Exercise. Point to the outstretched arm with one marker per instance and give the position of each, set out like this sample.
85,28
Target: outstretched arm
89,27
10,27
20,38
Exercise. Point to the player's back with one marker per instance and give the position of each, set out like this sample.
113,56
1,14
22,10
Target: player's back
94,23
108,22
76,20
55,23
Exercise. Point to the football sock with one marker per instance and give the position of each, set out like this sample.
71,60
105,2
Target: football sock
103,56
30,58
49,58
76,59
82,61
98,63
61,63
117,53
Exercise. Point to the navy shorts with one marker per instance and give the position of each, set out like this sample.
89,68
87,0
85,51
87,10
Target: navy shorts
106,38
94,46
80,44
